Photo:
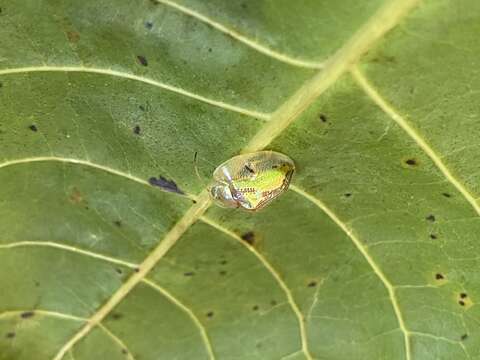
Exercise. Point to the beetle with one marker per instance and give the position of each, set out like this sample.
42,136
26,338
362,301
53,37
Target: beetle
251,181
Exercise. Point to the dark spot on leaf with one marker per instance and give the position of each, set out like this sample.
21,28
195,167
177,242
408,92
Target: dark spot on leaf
189,273
439,276
148,25
124,351
244,6
447,195
1,85
209,49
136,130
347,194
464,337
461,302
411,162
119,271
463,295
249,237
117,316
194,201
210,314
73,36
433,236
118,223
167,185
141,107
136,270
10,335
33,127
323,118
255,308
37,284
273,303
223,273
142,60
312,284
27,314
223,262
430,218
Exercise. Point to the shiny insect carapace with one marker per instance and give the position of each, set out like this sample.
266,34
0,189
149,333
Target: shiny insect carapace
251,181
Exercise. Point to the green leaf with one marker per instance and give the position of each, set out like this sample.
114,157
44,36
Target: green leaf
372,253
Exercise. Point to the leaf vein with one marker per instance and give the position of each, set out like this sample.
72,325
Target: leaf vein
242,38
188,311
125,75
363,250
276,276
70,249
380,101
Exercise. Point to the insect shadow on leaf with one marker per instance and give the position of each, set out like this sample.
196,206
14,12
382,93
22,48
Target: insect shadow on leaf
166,185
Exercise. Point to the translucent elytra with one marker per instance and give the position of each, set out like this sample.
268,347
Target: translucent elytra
251,181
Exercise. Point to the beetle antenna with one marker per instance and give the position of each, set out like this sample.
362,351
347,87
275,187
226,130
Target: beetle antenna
195,165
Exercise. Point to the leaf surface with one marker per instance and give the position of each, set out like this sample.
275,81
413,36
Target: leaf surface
372,253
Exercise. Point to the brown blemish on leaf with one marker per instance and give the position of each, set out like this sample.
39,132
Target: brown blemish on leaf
73,36
117,316
249,238
76,196
27,314
142,60
410,162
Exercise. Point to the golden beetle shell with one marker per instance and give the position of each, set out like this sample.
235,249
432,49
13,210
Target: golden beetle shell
251,181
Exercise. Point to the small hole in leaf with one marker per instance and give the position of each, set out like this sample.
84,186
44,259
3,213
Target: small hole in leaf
33,127
430,218
433,236
461,302
447,195
439,276
463,295
323,118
